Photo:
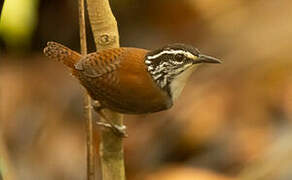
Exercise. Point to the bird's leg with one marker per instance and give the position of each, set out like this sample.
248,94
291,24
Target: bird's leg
117,130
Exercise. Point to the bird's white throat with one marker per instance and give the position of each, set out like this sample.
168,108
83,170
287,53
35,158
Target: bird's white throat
179,82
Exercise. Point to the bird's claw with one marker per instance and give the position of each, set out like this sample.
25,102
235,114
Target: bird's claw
120,131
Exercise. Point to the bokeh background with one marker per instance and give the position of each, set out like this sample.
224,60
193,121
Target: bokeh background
233,121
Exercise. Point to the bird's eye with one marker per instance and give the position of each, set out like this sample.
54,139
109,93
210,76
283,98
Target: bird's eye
179,57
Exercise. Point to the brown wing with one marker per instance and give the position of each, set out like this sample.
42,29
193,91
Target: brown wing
99,64
98,73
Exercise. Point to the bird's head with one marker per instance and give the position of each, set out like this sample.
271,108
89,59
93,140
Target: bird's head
171,65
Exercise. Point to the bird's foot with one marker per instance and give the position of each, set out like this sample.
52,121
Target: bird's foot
118,130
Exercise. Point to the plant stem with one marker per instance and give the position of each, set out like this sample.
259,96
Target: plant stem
91,158
105,32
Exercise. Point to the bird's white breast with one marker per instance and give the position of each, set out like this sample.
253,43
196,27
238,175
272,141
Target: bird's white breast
179,82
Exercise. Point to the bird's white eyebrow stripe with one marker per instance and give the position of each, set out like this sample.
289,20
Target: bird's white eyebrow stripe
188,54
148,62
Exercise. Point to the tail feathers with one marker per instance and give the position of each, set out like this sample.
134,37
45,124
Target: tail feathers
61,53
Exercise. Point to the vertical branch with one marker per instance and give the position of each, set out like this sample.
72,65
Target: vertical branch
105,32
87,100
82,29
103,24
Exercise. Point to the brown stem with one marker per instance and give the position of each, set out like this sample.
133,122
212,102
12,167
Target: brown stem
105,32
91,163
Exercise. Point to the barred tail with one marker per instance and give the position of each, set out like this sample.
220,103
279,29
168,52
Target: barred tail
61,53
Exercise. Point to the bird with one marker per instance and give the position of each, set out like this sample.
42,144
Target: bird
132,80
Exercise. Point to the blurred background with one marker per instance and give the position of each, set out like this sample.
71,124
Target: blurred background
232,121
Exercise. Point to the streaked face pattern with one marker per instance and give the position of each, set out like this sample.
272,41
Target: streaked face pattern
168,62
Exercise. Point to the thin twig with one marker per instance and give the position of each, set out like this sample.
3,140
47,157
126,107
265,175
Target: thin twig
87,101
105,32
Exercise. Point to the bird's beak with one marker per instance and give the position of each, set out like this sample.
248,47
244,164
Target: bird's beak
207,59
